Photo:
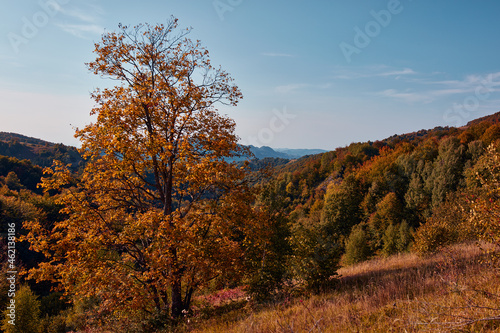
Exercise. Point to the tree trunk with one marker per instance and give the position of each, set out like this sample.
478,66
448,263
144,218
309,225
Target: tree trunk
177,305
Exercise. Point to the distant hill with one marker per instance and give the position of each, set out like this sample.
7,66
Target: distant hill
265,152
39,152
42,153
494,118
297,153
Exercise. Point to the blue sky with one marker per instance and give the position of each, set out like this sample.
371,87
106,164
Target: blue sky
314,74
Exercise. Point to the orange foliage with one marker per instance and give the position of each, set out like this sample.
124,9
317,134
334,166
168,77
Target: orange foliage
158,211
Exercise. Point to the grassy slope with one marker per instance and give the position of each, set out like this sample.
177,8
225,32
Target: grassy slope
450,291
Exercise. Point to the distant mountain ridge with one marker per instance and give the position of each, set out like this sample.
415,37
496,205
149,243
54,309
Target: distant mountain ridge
297,153
265,152
42,153
39,152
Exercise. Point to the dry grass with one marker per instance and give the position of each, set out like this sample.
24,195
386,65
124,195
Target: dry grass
453,291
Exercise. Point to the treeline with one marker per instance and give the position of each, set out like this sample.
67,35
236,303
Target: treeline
39,152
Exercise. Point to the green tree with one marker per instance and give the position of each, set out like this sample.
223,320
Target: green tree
270,260
484,215
389,212
316,256
404,236
27,313
342,208
447,172
447,225
390,240
13,182
358,246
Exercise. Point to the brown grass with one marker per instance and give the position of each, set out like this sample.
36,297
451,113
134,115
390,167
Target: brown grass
453,291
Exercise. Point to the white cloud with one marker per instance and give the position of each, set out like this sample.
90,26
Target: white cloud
372,71
79,14
82,22
421,91
405,71
290,88
82,30
406,96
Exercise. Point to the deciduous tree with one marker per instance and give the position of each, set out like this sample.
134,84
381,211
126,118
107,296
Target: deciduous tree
158,211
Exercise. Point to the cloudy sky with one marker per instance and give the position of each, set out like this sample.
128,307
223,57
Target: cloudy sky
314,74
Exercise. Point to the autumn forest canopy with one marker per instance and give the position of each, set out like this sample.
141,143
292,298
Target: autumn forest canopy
161,207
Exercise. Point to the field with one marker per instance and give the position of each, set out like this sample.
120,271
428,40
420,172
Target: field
455,290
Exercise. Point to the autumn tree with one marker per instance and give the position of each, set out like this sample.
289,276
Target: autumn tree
158,211
484,216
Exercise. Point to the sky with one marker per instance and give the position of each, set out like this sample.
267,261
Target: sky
314,74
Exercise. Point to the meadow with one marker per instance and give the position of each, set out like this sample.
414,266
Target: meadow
455,290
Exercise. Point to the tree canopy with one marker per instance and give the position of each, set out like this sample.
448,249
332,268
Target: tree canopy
158,211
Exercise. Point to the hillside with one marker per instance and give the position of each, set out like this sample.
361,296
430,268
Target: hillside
378,193
325,166
452,291
494,118
39,152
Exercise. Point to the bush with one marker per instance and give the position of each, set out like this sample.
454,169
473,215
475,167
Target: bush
447,225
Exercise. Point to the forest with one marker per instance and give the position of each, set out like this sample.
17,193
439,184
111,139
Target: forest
162,222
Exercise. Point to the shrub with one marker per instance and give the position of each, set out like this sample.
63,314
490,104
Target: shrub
447,225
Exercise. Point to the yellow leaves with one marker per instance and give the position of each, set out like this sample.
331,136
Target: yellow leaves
157,202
